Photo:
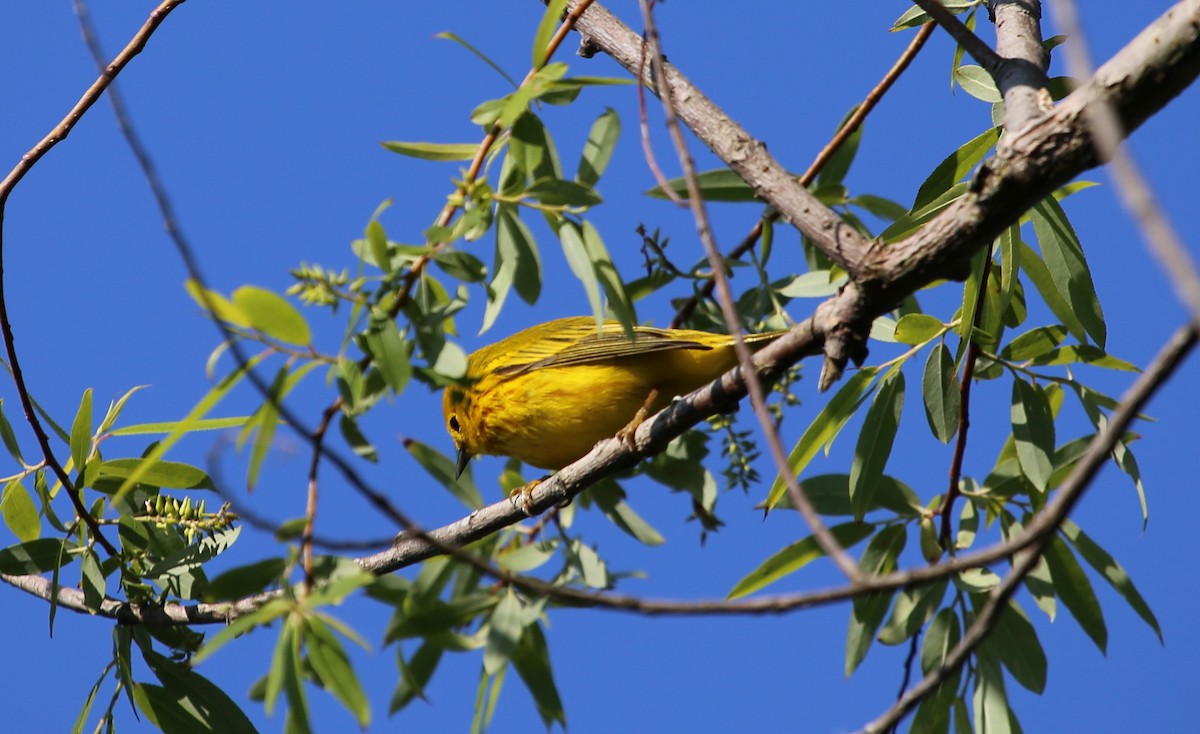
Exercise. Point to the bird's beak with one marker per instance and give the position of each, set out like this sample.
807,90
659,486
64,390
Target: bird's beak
464,458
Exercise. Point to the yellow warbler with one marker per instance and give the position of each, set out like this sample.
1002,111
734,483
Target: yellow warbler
547,394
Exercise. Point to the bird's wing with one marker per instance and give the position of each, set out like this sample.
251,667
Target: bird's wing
592,347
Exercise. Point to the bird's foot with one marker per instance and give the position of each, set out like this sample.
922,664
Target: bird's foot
626,434
522,497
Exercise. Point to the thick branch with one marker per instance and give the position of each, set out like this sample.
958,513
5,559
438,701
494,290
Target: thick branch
1021,77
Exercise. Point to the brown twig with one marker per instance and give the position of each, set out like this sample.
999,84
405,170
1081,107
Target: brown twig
964,408
973,44
310,507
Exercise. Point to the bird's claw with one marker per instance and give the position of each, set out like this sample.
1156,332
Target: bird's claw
522,497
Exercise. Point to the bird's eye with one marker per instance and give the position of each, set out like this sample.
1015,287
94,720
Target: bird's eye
454,423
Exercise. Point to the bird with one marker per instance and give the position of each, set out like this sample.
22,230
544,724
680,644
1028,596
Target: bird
548,394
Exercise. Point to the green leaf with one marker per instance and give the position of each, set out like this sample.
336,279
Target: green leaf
1075,590
414,675
581,265
1034,343
515,245
992,714
835,170
609,497
918,328
461,265
830,495
265,421
205,424
1007,242
914,606
89,700
81,432
434,151
875,442
1107,566
503,631
245,580
555,192
976,82
207,706
20,513
619,300
912,221
377,241
165,712
869,609
9,438
271,314
796,556
813,284
216,304
390,353
824,428
1014,642
1033,431
531,658
1067,265
545,29
940,390
441,468
955,166
264,615
333,669
92,582
598,150
721,184
451,37
157,473
943,635
914,16
1033,266
533,152
1082,354
34,556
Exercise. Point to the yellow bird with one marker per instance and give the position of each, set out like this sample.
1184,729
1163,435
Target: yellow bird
548,394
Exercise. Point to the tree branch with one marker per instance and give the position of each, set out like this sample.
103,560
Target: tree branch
1021,77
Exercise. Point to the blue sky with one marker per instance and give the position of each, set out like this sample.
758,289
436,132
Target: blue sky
265,124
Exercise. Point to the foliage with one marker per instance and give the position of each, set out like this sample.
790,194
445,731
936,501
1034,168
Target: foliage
398,306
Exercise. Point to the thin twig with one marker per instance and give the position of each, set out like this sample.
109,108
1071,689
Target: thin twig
310,507
973,44
964,408
758,401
